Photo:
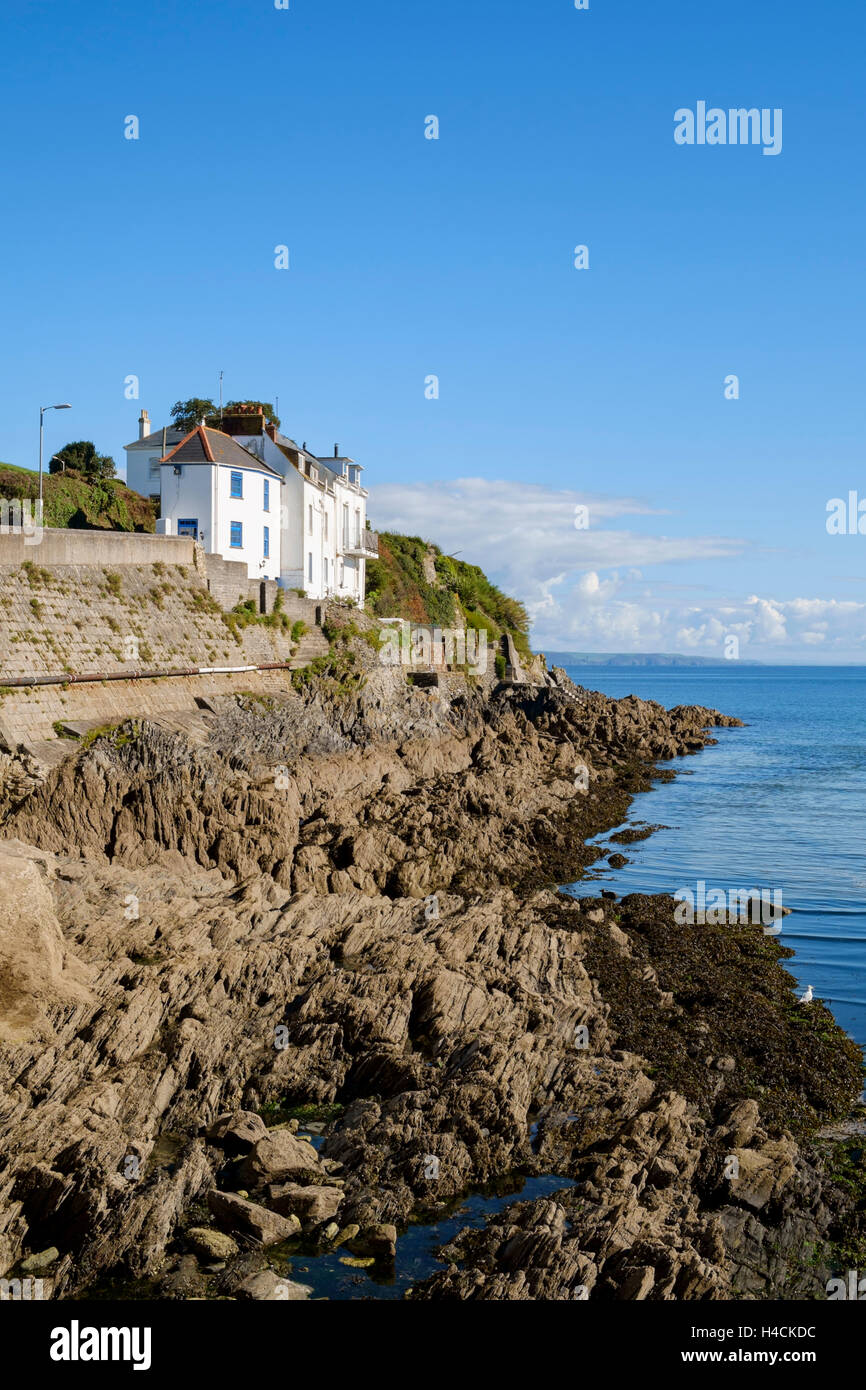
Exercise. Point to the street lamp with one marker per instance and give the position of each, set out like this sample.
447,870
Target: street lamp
55,458
42,410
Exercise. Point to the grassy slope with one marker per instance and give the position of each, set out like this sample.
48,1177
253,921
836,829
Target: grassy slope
398,587
70,500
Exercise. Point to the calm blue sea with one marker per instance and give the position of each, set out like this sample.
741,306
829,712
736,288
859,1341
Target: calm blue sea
780,804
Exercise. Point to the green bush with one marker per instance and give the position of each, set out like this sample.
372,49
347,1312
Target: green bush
398,587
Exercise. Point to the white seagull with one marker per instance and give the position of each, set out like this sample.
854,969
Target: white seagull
807,997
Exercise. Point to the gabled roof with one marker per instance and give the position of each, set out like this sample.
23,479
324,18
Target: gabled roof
154,441
203,445
283,442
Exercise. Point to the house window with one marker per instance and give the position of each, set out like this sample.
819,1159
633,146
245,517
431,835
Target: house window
310,519
237,535
188,526
267,501
310,567
266,545
237,485
345,524
357,527
325,570
325,525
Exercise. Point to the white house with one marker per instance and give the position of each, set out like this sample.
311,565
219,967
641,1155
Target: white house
229,499
325,538
318,538
143,455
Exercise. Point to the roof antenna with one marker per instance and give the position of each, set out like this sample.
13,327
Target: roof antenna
221,397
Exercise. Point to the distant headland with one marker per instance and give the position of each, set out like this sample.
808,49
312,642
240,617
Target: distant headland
637,659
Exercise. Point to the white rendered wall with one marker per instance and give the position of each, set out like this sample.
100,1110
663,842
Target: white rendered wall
203,491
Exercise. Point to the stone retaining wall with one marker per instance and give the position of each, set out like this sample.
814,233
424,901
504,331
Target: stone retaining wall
55,546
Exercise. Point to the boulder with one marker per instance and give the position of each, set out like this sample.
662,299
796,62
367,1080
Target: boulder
214,1245
266,1286
34,1264
742,1122
279,1157
240,1215
379,1240
238,1131
312,1204
763,1172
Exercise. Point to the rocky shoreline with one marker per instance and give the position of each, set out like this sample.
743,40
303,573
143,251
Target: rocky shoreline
342,910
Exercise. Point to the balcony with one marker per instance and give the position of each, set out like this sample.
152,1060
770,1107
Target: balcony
365,547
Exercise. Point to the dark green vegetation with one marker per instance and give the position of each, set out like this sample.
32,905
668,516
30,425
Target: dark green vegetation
413,579
844,1163
82,457
732,999
243,614
339,673
82,503
189,413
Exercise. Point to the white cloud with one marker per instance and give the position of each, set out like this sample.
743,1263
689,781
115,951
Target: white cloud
585,590
590,618
525,532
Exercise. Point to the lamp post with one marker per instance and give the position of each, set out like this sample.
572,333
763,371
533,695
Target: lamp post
42,410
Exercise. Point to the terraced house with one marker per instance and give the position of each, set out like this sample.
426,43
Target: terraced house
247,492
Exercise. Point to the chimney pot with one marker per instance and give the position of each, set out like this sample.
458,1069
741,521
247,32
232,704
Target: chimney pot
336,451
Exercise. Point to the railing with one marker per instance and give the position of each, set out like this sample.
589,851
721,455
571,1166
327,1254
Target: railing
366,544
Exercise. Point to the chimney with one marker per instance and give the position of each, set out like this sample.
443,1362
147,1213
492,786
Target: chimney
272,430
143,424
336,451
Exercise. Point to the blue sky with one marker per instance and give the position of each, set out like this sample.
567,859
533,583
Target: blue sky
412,257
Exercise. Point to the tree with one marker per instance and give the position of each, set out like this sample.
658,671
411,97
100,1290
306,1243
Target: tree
81,455
187,414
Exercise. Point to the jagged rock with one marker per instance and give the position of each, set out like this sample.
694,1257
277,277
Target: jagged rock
637,1284
199,944
741,1124
764,1172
